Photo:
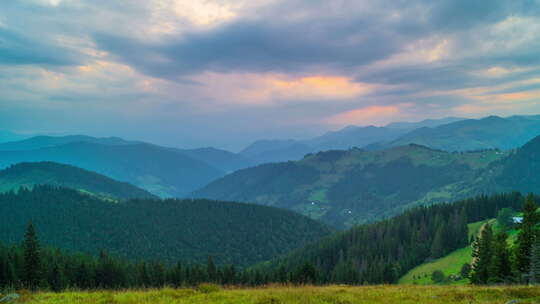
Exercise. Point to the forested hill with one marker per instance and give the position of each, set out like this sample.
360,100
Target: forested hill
382,252
49,173
164,230
344,188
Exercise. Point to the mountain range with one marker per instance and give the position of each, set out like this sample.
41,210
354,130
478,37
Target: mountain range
344,188
265,151
166,172
448,134
491,132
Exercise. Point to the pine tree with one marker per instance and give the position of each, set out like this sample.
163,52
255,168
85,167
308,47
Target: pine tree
438,246
500,268
57,280
211,270
535,262
482,256
32,272
526,236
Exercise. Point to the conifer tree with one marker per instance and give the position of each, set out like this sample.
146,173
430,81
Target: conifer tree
535,262
500,268
482,256
526,235
211,270
57,279
32,272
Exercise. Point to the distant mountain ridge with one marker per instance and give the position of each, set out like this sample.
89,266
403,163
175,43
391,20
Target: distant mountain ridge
7,136
264,151
491,132
167,172
28,175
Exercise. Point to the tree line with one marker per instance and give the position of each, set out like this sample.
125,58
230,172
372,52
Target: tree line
31,266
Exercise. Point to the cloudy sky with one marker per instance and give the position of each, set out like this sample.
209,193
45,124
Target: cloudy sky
225,72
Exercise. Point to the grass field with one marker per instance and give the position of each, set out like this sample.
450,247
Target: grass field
405,294
449,264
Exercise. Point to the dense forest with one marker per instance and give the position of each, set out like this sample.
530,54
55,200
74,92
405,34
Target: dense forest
165,230
382,252
367,254
49,173
32,266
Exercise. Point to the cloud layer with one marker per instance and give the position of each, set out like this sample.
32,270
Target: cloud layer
223,73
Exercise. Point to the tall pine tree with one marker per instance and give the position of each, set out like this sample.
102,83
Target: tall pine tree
482,250
535,262
500,268
526,236
32,272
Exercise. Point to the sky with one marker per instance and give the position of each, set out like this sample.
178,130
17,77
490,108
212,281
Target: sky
189,73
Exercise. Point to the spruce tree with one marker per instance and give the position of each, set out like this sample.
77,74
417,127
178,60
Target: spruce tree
535,262
57,279
526,236
500,268
32,272
482,256
211,270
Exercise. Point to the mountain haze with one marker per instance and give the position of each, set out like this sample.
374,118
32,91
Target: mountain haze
491,132
161,170
264,151
28,175
164,172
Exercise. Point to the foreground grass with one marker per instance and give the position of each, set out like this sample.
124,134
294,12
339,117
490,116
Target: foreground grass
406,294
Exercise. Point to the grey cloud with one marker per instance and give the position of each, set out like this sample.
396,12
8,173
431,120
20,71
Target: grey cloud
18,49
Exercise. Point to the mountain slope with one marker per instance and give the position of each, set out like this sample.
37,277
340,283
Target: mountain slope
168,230
223,160
47,173
521,170
164,172
492,132
344,188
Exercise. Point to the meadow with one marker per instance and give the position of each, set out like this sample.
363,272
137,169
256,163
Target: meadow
404,294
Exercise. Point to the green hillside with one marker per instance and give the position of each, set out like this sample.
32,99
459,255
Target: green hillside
344,188
48,173
449,264
162,230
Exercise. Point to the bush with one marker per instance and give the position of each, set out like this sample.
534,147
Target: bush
208,288
437,276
